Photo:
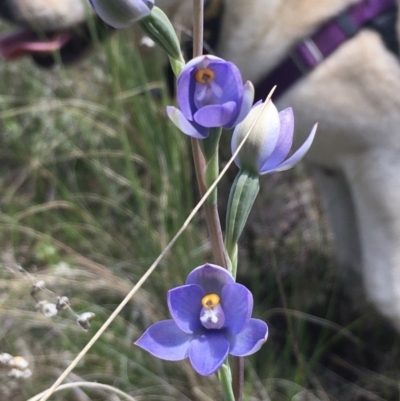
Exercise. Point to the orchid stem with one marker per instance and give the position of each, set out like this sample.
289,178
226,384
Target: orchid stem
238,377
198,27
211,208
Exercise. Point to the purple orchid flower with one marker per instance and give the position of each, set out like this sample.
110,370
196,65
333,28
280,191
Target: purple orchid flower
211,319
122,13
210,93
269,141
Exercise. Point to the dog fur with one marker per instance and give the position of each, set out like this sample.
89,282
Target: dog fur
355,96
356,154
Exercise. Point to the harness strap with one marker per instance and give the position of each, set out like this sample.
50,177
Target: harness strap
310,52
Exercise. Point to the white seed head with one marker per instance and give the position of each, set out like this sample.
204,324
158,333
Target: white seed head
6,358
62,303
19,362
48,309
84,320
37,287
19,374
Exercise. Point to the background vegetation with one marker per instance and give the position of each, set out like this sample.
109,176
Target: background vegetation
94,182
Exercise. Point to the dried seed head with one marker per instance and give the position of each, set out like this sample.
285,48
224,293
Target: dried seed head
48,309
62,303
6,358
19,362
20,374
37,287
84,320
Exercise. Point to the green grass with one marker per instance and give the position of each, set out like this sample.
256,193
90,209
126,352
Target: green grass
94,183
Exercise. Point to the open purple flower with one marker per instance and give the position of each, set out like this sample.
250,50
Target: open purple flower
211,319
270,140
210,93
122,13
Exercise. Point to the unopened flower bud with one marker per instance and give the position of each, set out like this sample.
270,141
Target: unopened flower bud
122,13
269,141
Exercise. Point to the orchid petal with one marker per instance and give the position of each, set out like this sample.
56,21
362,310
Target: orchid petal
284,143
245,107
215,115
250,339
269,124
297,156
208,352
166,340
210,277
263,120
179,120
185,87
237,304
184,304
227,77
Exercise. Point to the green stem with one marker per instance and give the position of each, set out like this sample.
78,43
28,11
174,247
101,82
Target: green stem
225,378
210,151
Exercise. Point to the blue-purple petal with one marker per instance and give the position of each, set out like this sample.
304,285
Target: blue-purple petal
237,304
297,156
228,78
188,128
223,101
208,352
245,106
284,143
250,339
185,305
166,340
184,93
215,115
210,277
201,61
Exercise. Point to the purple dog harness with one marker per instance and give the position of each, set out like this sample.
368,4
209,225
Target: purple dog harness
307,54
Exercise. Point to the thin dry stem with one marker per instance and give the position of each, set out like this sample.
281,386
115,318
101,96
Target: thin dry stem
100,386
